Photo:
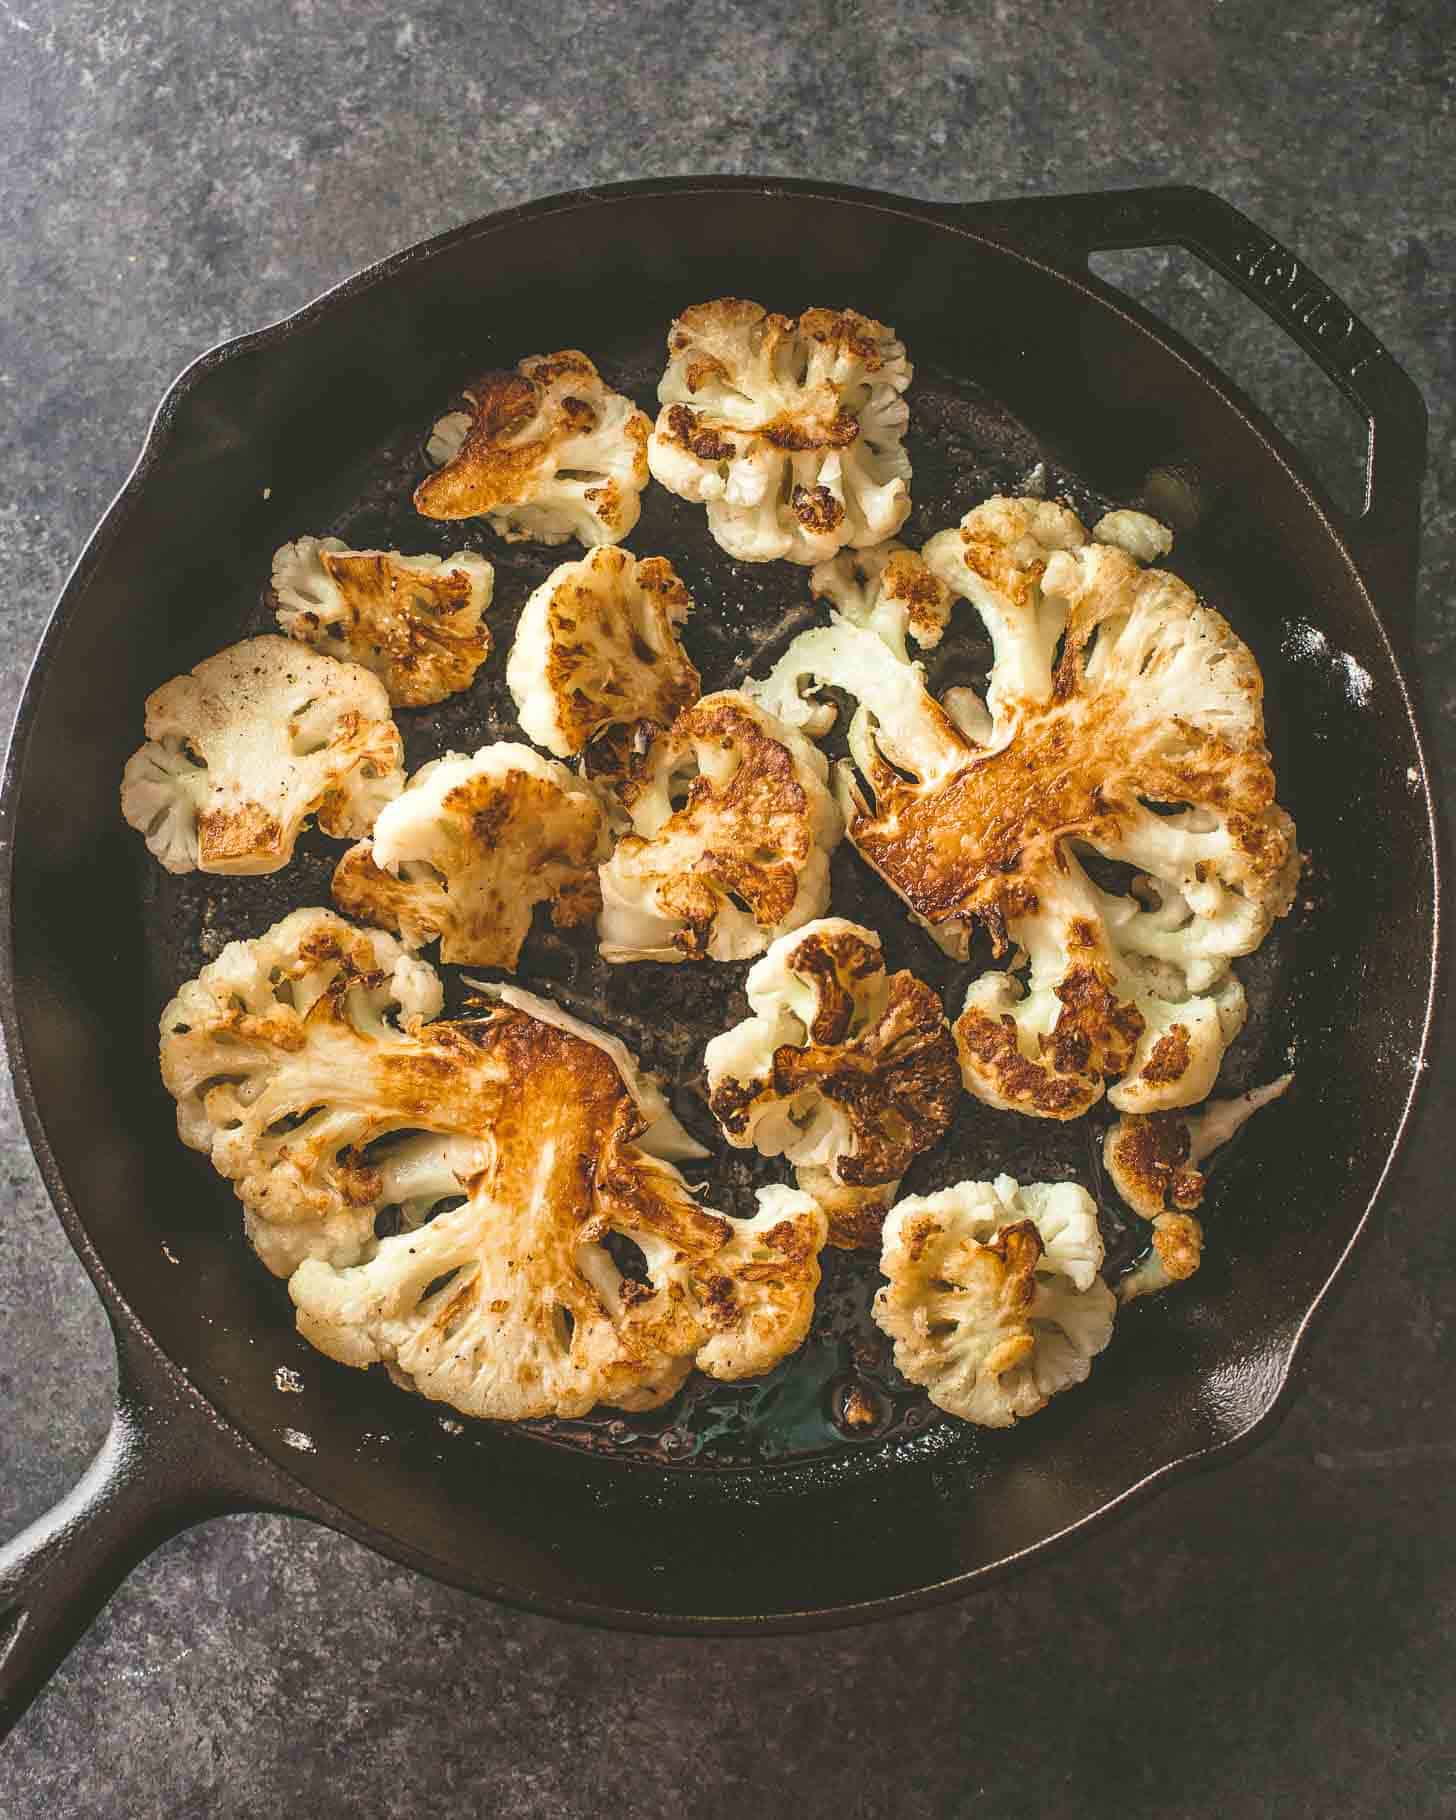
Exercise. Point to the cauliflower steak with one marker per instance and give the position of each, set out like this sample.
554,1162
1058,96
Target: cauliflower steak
846,1070
548,452
596,659
1122,719
469,849
732,828
993,1300
258,738
789,431
414,621
505,1151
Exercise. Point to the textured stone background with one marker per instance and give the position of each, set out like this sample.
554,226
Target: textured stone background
1274,1639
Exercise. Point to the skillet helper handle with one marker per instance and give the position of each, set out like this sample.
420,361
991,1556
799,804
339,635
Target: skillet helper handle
147,1482
1064,230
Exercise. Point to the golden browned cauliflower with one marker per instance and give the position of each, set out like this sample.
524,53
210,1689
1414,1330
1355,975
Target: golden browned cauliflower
443,1194
733,825
788,431
993,1300
848,1071
288,1056
414,621
241,752
547,452
887,590
469,849
597,660
1153,1161
1122,718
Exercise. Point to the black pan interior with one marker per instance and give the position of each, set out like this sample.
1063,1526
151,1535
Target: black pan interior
743,1500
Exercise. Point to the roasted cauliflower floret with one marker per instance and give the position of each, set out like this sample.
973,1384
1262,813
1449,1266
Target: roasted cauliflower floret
241,752
597,660
733,825
288,1056
414,621
376,1153
471,847
547,452
993,1300
887,590
788,431
1153,1162
846,1070
512,1304
1141,742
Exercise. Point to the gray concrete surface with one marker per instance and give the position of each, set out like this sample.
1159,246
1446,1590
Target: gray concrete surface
1272,1640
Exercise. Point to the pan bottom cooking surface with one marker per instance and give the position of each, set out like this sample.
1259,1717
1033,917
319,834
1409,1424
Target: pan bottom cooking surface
840,1393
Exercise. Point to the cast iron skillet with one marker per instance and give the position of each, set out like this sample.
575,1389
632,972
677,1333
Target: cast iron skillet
755,1533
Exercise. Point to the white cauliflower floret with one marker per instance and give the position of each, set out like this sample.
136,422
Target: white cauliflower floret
1153,1162
597,658
241,752
546,452
414,621
288,1056
1143,742
993,1299
733,826
887,590
376,1153
846,1070
1135,532
512,1304
788,431
471,847
511,1307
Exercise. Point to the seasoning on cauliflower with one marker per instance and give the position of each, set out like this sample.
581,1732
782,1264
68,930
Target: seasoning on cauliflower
471,847
846,1070
733,825
546,452
1153,1162
597,663
1142,742
993,1299
414,621
255,740
788,431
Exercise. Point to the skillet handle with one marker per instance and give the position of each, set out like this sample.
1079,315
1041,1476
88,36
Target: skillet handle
1063,230
157,1472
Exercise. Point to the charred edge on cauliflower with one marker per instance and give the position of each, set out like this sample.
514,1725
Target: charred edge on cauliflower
1121,717
470,848
302,1063
993,1299
1154,1161
597,660
849,1072
249,745
788,431
744,855
413,621
547,452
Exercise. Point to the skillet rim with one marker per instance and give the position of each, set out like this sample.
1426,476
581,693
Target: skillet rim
275,1485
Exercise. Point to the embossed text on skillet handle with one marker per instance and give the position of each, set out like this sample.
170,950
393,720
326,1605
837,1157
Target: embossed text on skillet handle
1064,230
